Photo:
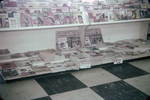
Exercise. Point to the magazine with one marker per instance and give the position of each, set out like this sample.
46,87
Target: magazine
22,63
8,73
68,18
142,14
92,18
9,4
131,14
24,71
36,60
59,18
76,42
137,12
78,19
123,14
5,23
25,17
8,65
62,42
100,16
37,16
48,19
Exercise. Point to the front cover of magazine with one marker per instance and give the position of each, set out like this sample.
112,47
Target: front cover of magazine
62,42
48,19
37,16
68,18
78,18
100,16
131,14
25,17
23,71
59,18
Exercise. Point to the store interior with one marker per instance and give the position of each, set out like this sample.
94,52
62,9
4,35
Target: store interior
93,50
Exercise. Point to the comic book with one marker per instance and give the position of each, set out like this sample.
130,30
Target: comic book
9,73
24,71
37,16
25,17
68,18
8,65
78,19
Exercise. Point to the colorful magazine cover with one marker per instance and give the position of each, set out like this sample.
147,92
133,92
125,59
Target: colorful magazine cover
37,16
9,4
92,18
25,17
100,16
24,71
131,14
59,18
76,42
8,73
68,18
78,18
8,65
123,14
62,43
48,19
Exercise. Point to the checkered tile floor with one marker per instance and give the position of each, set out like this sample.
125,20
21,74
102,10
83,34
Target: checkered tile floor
128,81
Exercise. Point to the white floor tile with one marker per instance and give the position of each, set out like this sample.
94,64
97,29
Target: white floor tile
142,83
21,90
95,76
81,94
142,64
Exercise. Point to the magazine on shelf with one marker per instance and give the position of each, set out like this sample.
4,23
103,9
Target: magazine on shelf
37,16
22,63
92,18
22,4
41,69
100,16
33,4
4,54
8,65
59,18
68,18
25,71
67,39
137,12
17,55
123,14
25,17
9,73
13,23
48,19
131,14
5,22
36,60
9,3
78,18
47,56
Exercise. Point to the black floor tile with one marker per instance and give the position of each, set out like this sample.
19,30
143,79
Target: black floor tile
60,83
43,98
125,70
119,90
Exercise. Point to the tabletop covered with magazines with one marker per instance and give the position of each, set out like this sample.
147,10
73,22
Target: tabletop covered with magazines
34,13
70,54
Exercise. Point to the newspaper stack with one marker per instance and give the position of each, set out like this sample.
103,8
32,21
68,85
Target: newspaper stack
4,54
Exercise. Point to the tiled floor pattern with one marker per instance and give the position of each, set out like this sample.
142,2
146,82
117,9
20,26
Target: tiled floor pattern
127,81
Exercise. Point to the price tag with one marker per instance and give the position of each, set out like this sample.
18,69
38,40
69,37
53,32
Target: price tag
85,65
118,60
